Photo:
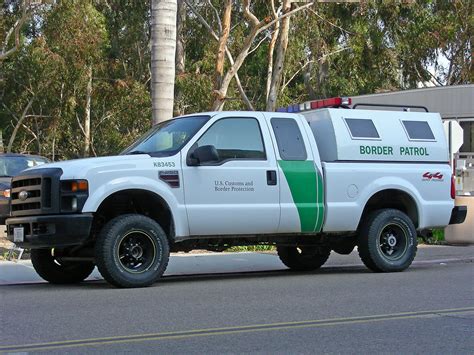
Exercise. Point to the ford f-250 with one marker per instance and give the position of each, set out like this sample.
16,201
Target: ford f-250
312,182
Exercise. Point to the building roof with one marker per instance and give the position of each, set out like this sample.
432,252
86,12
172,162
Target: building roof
450,101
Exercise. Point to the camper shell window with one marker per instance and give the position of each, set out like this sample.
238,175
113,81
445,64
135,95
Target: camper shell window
362,128
418,131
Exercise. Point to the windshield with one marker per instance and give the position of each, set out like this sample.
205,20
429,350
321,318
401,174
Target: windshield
168,137
11,166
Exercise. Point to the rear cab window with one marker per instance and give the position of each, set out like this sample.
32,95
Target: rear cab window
290,142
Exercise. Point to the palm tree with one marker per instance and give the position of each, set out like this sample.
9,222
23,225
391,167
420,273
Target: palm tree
163,48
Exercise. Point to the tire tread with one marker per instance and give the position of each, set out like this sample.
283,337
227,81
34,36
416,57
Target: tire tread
367,248
104,243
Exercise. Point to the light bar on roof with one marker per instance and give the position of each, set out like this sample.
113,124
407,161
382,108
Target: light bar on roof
316,104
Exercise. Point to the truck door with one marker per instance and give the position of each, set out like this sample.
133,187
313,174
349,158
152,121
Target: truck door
301,185
239,192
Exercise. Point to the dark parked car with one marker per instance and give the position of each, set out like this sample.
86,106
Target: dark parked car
11,165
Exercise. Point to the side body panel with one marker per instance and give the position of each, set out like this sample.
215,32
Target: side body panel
349,186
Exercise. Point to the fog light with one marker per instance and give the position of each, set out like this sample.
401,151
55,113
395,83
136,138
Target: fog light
74,204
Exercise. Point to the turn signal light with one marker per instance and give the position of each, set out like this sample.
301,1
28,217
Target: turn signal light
79,185
6,193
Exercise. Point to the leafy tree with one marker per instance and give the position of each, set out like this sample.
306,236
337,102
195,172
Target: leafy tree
77,82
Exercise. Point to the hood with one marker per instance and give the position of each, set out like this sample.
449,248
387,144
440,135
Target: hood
78,168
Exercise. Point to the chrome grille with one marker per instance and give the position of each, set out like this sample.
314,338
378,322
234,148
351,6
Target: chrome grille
36,192
26,194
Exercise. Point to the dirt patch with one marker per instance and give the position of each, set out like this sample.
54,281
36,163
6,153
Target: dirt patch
5,246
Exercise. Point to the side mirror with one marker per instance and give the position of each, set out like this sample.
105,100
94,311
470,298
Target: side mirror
202,155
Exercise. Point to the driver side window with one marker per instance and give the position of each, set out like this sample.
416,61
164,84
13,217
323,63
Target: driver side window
235,139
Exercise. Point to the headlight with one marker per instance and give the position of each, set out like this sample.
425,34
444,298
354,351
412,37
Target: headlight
74,194
5,193
74,186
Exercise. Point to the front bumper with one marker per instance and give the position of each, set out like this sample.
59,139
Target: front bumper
458,215
51,231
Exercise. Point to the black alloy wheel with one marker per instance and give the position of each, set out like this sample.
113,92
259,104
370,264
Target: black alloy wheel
136,251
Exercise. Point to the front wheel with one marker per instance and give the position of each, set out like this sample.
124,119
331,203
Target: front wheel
387,241
50,267
306,258
132,251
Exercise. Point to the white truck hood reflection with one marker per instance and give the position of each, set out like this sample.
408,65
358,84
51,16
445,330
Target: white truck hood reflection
79,168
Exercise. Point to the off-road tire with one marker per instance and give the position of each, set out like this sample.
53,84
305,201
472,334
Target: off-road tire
57,272
304,258
132,250
374,249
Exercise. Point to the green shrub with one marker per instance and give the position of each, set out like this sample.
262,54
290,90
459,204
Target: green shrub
252,248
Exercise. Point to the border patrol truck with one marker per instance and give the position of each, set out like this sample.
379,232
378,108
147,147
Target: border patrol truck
313,179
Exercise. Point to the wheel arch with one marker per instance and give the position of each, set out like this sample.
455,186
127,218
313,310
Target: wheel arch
136,200
393,198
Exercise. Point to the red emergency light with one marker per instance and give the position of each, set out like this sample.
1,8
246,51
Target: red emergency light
332,102
316,104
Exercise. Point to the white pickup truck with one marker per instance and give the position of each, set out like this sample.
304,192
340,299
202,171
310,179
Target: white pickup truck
312,182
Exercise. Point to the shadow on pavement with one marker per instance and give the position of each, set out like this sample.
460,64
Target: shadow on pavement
101,284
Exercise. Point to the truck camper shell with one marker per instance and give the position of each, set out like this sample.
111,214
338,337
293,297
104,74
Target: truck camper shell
376,135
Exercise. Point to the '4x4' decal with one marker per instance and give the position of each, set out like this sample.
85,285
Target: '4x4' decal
430,176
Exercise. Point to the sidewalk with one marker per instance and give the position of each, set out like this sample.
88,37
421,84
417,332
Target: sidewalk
194,264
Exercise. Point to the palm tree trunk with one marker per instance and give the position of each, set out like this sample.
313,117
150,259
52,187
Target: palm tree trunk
163,50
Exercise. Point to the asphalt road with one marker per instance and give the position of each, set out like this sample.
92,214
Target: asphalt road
339,309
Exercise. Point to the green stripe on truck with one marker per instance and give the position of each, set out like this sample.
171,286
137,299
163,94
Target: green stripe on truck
306,188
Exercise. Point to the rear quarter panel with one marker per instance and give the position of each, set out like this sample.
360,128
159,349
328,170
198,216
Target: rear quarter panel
349,186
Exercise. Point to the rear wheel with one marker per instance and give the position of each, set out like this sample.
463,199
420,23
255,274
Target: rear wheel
132,251
387,241
305,258
51,268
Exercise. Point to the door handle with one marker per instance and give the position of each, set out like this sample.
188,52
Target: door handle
271,177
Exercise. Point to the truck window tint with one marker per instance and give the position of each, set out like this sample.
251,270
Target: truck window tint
289,139
362,128
168,137
418,130
235,138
